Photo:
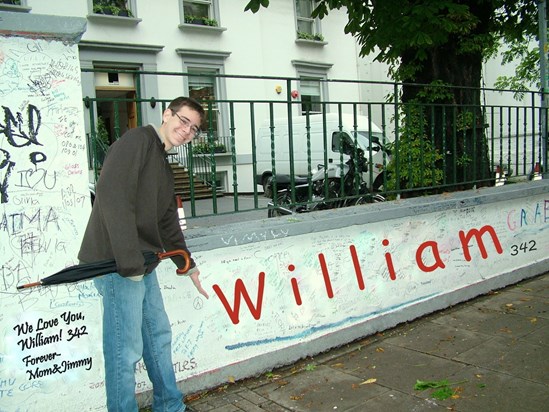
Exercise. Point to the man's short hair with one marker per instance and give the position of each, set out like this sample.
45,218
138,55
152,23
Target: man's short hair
191,103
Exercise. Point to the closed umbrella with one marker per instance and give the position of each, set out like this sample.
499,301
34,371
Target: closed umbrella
90,270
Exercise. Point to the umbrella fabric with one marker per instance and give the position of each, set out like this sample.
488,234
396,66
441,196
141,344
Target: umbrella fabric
90,270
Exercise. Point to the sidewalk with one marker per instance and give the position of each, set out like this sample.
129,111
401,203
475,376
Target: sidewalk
493,351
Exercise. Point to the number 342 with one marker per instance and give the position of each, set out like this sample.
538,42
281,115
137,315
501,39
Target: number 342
528,246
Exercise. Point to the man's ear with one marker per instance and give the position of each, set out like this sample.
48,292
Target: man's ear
165,115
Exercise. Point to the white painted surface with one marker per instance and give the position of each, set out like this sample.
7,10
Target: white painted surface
43,211
425,255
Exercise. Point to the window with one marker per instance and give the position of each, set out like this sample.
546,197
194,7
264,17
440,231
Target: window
14,5
310,95
312,89
198,8
201,12
307,27
121,8
203,89
204,85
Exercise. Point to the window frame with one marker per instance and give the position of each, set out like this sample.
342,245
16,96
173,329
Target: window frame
307,70
131,5
316,35
121,55
213,14
21,8
208,61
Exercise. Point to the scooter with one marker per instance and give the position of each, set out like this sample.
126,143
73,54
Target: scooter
328,188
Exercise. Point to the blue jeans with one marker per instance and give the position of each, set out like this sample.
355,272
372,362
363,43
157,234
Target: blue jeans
135,325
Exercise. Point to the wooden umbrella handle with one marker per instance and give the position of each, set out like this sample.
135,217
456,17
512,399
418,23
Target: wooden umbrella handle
177,252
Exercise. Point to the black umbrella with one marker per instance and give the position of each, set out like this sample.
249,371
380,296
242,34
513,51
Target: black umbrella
90,270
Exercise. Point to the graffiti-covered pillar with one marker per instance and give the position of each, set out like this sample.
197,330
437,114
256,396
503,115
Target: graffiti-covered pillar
47,347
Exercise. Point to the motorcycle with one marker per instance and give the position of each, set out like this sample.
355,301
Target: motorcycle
332,187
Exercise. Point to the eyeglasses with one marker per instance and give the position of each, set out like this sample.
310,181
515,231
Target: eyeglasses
187,123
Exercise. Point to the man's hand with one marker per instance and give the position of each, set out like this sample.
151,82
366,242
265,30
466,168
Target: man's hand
196,281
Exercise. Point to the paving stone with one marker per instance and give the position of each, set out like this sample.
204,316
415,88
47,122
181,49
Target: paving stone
517,302
324,389
514,357
488,322
432,338
397,368
395,401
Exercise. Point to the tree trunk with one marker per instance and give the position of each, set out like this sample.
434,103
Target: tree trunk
454,117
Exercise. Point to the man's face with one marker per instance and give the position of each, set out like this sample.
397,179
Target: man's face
179,127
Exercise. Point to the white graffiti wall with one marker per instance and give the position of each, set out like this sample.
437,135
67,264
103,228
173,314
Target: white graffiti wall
44,207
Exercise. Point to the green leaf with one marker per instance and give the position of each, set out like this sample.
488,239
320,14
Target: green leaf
422,385
442,393
310,367
255,5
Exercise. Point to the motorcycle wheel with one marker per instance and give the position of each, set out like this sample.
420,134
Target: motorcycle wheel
375,198
284,207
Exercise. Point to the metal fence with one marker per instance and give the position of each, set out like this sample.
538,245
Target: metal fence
405,154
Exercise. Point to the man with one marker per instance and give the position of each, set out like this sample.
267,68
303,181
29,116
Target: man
135,210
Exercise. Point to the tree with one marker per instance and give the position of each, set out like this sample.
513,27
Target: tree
436,49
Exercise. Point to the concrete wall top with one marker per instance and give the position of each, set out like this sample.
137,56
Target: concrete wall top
67,29
203,239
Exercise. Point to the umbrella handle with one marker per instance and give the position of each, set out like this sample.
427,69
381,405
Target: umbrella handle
177,252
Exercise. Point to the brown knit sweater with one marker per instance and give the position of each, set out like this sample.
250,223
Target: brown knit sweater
135,207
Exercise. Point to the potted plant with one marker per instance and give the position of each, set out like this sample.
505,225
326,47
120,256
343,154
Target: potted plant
191,19
210,22
112,8
309,36
123,9
101,8
200,20
125,12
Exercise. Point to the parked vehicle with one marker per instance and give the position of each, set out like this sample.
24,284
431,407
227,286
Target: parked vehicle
315,140
332,187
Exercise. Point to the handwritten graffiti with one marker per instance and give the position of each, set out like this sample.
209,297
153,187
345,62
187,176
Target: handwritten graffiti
22,132
536,215
428,249
47,333
13,127
41,220
6,166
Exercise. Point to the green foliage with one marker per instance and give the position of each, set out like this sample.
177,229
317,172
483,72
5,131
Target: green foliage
112,7
420,29
190,19
309,36
415,160
211,22
310,367
206,148
527,72
436,91
255,5
101,133
443,388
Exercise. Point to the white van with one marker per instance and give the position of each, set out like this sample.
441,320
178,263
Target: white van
335,129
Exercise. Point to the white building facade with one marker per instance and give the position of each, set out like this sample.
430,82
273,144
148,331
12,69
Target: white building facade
216,37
